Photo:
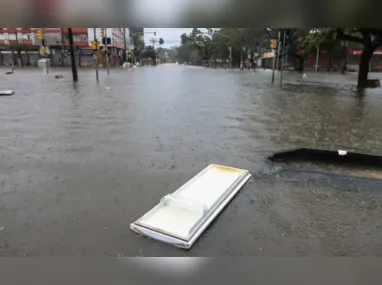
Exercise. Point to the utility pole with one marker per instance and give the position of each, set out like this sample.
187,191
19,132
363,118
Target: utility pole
72,57
46,53
63,47
273,68
96,53
241,58
107,53
19,61
155,39
278,49
124,46
230,58
317,56
282,61
274,43
230,55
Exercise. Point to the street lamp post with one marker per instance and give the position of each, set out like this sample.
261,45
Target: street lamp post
124,59
46,54
317,57
96,53
230,55
63,47
282,61
273,67
107,53
278,49
242,58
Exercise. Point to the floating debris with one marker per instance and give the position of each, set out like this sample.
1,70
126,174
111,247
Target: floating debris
6,92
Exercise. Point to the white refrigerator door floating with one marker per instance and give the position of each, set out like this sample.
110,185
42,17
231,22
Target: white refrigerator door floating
6,92
181,217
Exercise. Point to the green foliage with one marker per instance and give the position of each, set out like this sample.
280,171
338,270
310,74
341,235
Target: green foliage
18,47
214,43
325,40
138,42
171,52
338,40
149,52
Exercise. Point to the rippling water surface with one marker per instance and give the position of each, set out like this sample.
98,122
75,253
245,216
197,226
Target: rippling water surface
80,162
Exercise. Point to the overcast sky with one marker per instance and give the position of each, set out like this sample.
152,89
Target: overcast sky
171,37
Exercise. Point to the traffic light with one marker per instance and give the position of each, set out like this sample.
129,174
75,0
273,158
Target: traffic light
94,45
273,43
106,41
40,34
102,32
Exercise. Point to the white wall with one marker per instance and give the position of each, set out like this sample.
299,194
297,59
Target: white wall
109,33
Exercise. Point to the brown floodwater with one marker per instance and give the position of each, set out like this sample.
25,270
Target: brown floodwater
80,162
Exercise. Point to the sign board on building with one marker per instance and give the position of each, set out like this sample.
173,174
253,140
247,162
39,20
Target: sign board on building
269,55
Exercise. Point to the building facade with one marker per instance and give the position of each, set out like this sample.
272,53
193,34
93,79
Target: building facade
119,40
57,43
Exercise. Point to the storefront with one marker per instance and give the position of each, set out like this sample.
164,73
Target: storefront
354,57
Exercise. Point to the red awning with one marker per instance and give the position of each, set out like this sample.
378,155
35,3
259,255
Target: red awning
359,52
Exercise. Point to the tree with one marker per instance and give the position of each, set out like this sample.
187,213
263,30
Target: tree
202,42
18,48
235,38
168,54
242,40
370,39
214,43
149,52
158,50
139,45
323,39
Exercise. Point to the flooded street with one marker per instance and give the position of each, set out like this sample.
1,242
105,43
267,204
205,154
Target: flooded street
80,162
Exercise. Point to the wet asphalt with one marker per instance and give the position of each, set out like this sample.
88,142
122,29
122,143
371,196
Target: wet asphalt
80,162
